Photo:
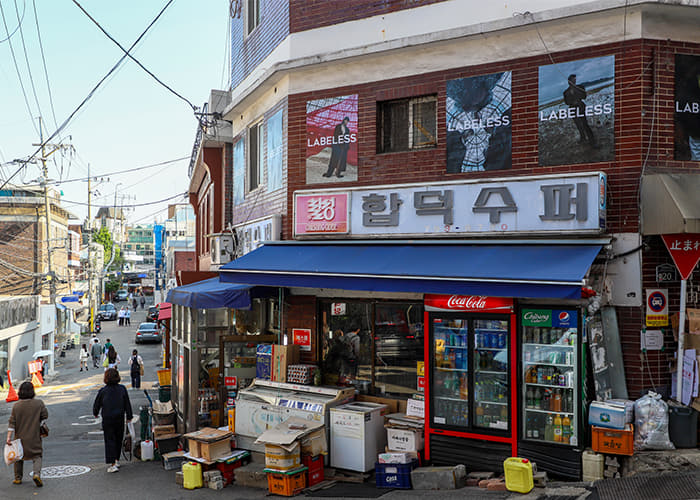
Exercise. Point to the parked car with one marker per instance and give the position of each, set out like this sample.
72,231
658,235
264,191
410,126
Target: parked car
107,312
121,296
152,314
148,332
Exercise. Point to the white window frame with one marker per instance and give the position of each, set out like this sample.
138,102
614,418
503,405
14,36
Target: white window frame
253,182
255,6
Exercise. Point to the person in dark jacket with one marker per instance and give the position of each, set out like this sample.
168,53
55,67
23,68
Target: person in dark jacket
26,419
339,149
113,401
573,97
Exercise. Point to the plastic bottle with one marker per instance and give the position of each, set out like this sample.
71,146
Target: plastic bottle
549,429
558,431
479,415
528,428
537,398
547,400
536,427
566,431
556,400
463,390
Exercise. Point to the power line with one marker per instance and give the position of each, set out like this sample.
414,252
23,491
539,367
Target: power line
26,59
87,98
43,59
126,52
134,204
19,24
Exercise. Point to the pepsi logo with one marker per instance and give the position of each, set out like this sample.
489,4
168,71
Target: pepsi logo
564,316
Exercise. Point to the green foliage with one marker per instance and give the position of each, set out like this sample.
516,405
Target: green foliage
104,238
112,285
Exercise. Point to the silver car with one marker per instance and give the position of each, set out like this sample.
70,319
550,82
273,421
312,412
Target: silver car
148,332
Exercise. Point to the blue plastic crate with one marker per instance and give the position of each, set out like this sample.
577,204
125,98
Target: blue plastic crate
394,475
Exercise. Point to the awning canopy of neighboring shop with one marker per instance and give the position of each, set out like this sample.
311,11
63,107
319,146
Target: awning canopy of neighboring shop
534,270
211,294
165,310
669,203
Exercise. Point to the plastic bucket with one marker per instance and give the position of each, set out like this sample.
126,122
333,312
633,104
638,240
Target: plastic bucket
682,425
164,377
164,393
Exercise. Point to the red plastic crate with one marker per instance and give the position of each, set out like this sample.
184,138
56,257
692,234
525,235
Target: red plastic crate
315,473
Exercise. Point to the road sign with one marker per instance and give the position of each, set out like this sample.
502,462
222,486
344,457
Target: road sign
684,250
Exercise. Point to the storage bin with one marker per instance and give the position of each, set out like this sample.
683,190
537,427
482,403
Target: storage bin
394,475
164,393
164,418
593,466
518,472
164,377
192,475
168,444
682,425
315,474
613,441
286,484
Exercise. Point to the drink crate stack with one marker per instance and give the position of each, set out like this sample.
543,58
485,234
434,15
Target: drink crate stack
405,442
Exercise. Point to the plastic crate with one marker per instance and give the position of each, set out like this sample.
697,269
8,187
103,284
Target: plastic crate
164,377
613,441
315,473
286,484
394,475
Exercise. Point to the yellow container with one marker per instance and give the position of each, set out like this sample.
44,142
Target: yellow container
191,475
164,377
518,474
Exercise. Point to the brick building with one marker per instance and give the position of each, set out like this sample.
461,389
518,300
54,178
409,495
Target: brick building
509,132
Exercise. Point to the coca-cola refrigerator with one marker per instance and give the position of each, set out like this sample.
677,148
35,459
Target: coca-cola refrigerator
470,355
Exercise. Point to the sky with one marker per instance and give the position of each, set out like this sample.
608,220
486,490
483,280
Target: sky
553,77
131,121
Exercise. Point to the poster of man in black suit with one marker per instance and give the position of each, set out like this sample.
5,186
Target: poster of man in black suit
339,150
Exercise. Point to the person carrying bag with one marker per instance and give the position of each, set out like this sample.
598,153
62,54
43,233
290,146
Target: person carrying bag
136,371
26,420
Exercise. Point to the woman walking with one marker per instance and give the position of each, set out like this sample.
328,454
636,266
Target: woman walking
84,357
27,418
112,358
136,364
113,401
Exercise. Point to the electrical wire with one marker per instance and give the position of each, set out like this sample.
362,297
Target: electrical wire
19,24
29,66
87,98
43,60
134,204
126,53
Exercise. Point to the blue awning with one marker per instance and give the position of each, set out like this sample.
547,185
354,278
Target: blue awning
211,294
70,298
502,270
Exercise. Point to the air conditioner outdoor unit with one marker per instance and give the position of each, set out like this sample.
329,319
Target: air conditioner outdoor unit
221,249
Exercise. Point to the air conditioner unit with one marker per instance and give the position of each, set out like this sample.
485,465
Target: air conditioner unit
221,249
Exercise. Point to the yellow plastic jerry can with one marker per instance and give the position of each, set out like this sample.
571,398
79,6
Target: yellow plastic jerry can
191,475
518,474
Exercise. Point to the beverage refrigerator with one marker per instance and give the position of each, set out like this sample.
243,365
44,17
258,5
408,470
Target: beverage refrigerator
551,427
470,392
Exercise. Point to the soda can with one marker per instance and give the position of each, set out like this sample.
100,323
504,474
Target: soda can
562,380
501,340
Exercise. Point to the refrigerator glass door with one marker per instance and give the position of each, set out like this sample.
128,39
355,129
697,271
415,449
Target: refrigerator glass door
491,399
550,386
450,377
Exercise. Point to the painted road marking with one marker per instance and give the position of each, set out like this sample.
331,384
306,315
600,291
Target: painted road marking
88,420
59,471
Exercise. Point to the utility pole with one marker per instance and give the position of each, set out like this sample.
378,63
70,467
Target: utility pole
91,320
47,210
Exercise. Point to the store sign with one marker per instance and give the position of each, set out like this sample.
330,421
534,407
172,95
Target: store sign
338,308
253,234
553,204
302,338
684,250
657,307
321,213
421,384
467,303
231,382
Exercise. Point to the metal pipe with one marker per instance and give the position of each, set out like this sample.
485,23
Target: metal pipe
681,344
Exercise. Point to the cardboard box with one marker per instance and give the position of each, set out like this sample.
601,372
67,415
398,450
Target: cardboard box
603,414
395,457
415,408
404,439
283,458
209,444
393,405
263,361
315,443
282,357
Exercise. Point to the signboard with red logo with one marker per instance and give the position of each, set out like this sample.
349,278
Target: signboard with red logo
684,250
467,303
421,384
302,338
338,308
231,382
321,214
657,307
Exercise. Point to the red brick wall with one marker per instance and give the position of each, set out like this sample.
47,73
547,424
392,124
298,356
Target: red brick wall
309,14
300,312
184,261
19,248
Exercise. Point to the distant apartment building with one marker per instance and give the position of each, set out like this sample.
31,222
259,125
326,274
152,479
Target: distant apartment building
138,246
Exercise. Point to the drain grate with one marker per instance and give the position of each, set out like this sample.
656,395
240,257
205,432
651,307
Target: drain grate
649,487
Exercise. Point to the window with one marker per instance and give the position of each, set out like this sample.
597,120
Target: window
407,124
255,156
252,15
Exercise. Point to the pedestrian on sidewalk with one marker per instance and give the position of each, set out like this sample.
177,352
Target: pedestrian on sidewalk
142,299
26,422
96,352
113,402
84,356
127,315
134,303
112,358
121,315
136,364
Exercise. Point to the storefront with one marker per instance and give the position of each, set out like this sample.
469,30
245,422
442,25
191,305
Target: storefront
449,317
214,326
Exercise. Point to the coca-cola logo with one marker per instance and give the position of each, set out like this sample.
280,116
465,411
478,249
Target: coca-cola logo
535,317
466,302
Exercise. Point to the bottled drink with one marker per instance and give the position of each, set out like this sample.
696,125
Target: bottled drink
556,400
536,427
463,387
558,431
547,400
549,429
566,431
528,427
537,398
540,374
570,400
479,415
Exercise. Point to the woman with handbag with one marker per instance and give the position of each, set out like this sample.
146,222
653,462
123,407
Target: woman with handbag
113,402
27,424
136,364
111,359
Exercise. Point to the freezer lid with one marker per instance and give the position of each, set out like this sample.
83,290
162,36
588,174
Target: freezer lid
361,407
331,392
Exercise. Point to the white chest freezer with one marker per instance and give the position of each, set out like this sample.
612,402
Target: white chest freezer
357,435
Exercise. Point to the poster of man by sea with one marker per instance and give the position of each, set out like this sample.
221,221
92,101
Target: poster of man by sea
576,111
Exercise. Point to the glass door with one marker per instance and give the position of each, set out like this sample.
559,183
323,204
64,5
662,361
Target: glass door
450,372
491,399
550,386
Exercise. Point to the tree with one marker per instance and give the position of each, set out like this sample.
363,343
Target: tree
112,285
104,238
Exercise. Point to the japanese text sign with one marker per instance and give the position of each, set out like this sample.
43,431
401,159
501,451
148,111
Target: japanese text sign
684,250
302,338
321,213
657,307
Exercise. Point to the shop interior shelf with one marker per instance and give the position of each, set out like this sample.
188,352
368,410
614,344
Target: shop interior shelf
546,363
482,402
489,372
452,369
536,410
456,347
550,345
448,398
550,385
490,348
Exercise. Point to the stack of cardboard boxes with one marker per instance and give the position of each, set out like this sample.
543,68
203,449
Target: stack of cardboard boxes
405,442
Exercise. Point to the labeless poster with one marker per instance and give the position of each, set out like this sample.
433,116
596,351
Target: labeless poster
478,123
331,139
576,111
687,115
